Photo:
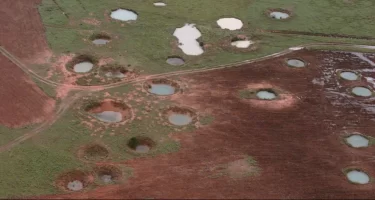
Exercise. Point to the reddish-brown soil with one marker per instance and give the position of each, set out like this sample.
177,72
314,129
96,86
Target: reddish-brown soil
22,31
22,101
297,146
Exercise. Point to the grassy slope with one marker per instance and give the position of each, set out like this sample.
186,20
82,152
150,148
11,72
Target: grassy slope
31,168
147,42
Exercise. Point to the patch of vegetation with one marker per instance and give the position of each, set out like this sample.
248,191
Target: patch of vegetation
47,89
206,120
247,94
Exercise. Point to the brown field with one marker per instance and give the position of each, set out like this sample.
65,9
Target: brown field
22,101
296,140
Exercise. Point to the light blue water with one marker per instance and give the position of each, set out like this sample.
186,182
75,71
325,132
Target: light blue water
124,15
358,177
109,116
357,141
296,63
350,76
100,41
179,119
362,91
83,67
162,89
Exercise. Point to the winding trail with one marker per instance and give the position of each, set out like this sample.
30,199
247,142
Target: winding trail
84,90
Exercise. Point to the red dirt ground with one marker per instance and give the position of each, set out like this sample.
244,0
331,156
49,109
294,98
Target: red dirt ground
22,31
22,101
298,146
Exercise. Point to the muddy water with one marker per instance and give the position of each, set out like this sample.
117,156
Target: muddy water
109,116
362,91
142,149
243,44
124,15
179,119
115,74
83,67
187,37
175,61
359,177
162,89
230,23
263,94
296,63
357,141
75,185
100,41
279,15
350,76
106,178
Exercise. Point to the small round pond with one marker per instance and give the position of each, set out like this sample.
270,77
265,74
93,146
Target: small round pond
108,173
350,76
83,67
266,94
141,144
357,141
175,61
124,15
180,116
279,15
242,44
100,41
361,91
161,87
297,63
358,177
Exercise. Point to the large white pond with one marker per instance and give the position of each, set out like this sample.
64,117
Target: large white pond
83,67
358,177
187,37
124,15
230,23
350,76
242,44
357,141
362,91
279,15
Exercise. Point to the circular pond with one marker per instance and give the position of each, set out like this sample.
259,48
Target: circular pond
100,41
161,87
358,177
266,94
83,67
109,111
180,116
350,76
361,91
75,185
357,141
296,63
242,44
124,15
175,61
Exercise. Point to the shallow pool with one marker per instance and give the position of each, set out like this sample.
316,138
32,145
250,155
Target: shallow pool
75,185
162,89
243,44
296,63
175,61
100,41
359,177
179,119
362,91
187,37
350,76
357,141
124,15
83,67
230,23
109,116
142,149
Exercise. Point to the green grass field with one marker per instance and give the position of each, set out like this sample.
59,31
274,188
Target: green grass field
32,167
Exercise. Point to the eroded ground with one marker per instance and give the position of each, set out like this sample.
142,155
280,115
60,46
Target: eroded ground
297,144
